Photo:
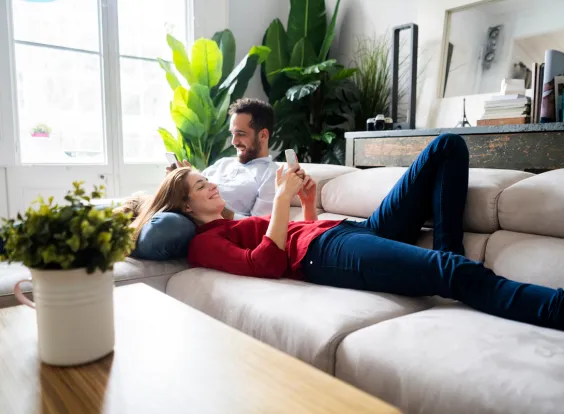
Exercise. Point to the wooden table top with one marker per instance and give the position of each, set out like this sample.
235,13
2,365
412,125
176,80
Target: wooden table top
168,358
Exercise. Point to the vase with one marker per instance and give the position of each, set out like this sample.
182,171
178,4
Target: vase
75,314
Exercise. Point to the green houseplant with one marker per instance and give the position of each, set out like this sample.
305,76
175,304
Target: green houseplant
314,99
70,251
204,84
41,130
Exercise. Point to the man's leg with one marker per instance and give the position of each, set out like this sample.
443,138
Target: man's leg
435,185
351,257
165,237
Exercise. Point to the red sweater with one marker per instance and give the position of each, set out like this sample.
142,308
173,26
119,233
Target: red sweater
241,247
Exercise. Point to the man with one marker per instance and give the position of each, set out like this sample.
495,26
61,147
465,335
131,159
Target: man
246,183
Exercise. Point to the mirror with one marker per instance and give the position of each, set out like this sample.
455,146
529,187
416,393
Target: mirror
499,39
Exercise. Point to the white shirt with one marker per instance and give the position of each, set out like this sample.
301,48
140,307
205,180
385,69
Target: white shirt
248,189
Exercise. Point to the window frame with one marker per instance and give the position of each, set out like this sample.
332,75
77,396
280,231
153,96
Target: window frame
113,142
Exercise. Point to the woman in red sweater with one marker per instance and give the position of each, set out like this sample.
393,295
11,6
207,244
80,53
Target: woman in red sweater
375,255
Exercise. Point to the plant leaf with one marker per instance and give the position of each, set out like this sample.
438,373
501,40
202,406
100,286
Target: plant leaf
301,91
344,74
220,117
198,100
180,58
319,67
329,35
307,19
244,71
277,41
303,54
188,123
170,75
206,63
227,45
171,144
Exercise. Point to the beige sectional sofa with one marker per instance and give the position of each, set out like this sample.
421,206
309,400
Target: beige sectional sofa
424,355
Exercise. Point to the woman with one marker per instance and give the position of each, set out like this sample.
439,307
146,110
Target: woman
375,255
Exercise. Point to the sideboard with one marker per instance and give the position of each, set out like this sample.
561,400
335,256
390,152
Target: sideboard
533,147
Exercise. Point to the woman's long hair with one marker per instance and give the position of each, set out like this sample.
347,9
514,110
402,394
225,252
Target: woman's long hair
172,195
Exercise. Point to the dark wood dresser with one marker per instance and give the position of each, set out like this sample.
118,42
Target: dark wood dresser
533,147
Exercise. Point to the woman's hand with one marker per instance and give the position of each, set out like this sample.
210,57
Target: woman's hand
308,192
289,183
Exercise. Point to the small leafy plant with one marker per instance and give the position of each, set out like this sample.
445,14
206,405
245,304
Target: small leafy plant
70,236
41,129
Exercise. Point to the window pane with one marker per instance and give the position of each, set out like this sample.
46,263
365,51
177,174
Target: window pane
60,106
143,25
145,99
68,23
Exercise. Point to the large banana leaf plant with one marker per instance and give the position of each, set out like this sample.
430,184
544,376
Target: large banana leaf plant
314,99
204,84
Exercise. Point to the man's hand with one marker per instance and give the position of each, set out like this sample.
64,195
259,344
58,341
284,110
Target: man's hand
183,163
228,214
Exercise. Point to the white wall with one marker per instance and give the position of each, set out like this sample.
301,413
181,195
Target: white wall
248,20
3,194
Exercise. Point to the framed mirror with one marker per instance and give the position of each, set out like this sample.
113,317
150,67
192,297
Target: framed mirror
497,39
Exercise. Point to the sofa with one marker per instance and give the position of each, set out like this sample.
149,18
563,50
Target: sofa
423,355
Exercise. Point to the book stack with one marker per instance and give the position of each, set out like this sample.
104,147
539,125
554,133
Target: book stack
506,110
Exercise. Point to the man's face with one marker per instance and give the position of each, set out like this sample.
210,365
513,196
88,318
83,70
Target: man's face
244,138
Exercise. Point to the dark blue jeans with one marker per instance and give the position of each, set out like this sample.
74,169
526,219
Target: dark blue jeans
378,254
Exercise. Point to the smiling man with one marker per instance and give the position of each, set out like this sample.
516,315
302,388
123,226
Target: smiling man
246,182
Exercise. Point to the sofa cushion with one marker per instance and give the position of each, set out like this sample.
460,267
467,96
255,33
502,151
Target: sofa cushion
304,320
527,258
534,205
474,243
360,193
321,174
154,274
456,360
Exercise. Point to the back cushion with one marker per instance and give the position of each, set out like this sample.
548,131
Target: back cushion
360,193
527,258
534,205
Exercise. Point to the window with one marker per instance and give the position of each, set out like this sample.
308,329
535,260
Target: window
63,84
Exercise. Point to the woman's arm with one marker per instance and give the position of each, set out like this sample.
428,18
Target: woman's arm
287,185
308,197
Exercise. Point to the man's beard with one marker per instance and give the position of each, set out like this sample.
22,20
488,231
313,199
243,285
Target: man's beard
250,153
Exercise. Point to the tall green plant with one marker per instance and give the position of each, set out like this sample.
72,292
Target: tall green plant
314,100
204,84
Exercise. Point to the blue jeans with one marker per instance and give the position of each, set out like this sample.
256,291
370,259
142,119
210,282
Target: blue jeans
378,254
165,237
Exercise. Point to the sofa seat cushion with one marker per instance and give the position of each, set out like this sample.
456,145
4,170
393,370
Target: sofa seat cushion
453,359
527,258
304,320
474,243
534,205
153,273
341,195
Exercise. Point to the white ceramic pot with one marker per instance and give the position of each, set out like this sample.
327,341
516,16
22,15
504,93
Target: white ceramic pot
75,314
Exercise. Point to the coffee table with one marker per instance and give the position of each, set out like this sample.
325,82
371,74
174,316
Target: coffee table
168,358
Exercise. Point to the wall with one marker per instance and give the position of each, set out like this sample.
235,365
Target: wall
3,194
248,20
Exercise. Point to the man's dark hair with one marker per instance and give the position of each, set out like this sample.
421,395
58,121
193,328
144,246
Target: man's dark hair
262,114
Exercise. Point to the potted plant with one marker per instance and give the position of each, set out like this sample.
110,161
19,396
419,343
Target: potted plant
314,99
41,131
70,251
204,84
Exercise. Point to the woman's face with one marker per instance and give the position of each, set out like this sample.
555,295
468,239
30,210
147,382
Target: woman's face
204,196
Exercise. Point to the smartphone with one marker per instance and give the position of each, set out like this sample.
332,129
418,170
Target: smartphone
172,159
291,158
